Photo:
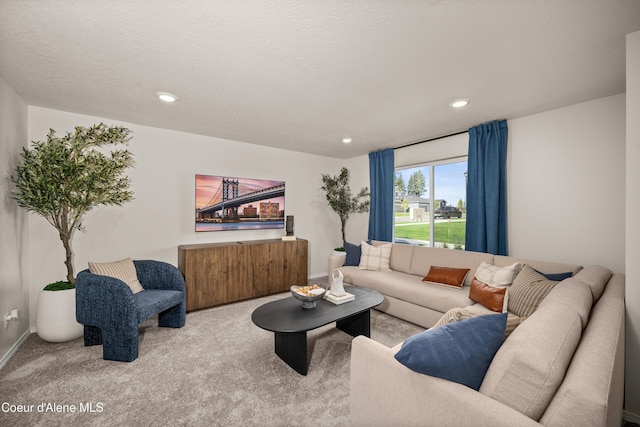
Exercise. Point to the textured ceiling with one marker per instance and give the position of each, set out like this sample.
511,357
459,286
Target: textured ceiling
301,75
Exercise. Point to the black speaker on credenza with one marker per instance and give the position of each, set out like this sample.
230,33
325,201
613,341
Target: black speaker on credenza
289,225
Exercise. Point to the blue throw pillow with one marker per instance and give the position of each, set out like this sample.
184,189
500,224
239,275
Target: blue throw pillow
460,351
556,277
353,254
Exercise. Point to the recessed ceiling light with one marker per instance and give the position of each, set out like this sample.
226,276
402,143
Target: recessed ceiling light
166,96
459,103
347,140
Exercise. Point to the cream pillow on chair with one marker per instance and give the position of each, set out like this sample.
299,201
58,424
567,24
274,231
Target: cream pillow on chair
124,270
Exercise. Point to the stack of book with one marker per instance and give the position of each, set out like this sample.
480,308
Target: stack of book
339,299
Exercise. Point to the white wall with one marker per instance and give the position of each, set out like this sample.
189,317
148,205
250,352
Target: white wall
357,228
566,184
161,216
13,222
632,370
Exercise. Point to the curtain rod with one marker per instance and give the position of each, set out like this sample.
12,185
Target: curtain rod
432,139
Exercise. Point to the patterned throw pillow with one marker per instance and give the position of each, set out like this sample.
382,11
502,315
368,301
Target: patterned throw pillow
454,315
124,270
446,276
375,257
527,292
457,314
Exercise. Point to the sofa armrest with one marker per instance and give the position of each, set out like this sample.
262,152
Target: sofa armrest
336,261
159,275
384,392
99,299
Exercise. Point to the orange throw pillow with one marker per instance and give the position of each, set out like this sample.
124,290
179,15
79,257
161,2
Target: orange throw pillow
446,275
489,296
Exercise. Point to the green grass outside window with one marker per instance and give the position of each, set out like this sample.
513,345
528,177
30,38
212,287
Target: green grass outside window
446,232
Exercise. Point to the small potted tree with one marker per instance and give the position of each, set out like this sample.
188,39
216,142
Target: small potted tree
342,201
61,179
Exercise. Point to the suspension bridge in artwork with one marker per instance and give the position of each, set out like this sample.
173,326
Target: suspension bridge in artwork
231,194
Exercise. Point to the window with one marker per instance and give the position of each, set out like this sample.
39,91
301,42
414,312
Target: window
441,185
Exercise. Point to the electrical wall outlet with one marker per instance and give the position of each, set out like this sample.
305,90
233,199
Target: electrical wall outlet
12,315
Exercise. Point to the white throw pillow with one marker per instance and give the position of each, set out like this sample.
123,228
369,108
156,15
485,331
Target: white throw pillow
498,277
375,257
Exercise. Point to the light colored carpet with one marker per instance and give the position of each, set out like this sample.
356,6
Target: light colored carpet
220,369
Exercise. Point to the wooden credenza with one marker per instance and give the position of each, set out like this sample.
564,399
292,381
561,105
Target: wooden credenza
221,273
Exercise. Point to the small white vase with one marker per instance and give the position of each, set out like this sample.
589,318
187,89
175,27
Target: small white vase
336,253
56,316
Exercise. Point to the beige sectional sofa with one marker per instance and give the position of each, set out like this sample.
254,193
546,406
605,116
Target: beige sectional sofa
562,366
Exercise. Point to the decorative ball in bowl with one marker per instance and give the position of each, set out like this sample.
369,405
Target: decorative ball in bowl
308,294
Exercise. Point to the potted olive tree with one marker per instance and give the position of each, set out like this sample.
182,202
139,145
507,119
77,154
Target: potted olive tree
342,201
61,179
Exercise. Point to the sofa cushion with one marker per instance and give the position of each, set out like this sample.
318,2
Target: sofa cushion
401,257
575,294
446,275
596,277
527,292
490,297
153,301
423,258
375,257
592,391
410,288
124,270
530,365
459,352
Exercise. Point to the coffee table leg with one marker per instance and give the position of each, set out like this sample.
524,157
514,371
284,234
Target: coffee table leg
292,348
358,324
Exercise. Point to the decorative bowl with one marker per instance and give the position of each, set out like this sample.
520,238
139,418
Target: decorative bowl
308,294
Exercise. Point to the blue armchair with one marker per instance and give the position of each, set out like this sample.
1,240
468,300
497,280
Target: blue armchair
111,312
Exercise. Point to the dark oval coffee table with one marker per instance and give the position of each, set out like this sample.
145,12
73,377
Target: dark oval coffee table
290,322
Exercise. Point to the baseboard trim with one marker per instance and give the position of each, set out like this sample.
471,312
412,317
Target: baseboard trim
630,416
14,348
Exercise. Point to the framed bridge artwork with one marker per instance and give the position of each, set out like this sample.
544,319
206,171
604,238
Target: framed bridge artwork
230,203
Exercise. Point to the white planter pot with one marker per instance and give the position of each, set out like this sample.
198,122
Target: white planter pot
336,253
56,316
